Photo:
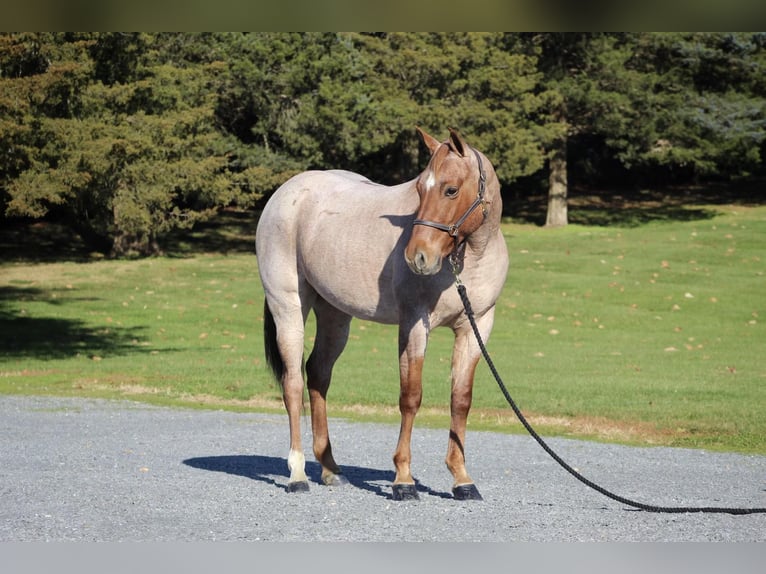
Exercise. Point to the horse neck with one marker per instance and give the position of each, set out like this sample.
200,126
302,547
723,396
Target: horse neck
478,240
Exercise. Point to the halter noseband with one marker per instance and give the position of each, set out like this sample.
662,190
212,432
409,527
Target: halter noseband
452,230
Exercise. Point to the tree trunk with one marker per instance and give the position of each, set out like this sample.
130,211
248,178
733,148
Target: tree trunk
557,186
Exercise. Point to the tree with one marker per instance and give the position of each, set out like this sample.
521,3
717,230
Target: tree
128,136
388,83
668,106
710,116
113,139
586,72
353,100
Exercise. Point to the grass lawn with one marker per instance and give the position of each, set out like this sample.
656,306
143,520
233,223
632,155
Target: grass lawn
645,333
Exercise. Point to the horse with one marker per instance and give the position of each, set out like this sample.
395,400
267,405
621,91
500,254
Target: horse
336,243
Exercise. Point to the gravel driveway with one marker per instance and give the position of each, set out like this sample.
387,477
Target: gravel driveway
93,470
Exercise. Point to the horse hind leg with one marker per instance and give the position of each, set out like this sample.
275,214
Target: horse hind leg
283,338
331,337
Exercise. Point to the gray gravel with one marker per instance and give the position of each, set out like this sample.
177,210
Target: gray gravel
93,470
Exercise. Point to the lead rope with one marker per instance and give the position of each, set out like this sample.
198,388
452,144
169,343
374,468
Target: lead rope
640,505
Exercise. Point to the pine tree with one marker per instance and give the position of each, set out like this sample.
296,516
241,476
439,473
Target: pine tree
112,137
665,107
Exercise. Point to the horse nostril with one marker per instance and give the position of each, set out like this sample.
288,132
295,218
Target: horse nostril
420,261
420,264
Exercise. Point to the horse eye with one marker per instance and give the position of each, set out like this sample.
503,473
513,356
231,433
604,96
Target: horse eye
451,191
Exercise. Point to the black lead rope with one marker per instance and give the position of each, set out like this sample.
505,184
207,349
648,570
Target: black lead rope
640,505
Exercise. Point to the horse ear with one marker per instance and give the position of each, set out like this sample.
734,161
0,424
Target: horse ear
456,142
431,142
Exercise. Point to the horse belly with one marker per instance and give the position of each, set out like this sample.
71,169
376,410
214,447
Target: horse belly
351,275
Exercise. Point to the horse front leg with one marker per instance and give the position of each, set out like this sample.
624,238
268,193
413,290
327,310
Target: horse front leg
412,354
465,357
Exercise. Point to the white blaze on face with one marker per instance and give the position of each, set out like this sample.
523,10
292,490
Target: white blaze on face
430,181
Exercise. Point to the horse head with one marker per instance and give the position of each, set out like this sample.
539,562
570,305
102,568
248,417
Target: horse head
453,202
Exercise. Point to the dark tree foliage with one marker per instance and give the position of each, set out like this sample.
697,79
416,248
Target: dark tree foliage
128,136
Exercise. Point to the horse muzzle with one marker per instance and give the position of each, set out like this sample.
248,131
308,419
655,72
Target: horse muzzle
421,263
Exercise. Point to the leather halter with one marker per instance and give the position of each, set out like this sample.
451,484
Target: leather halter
454,228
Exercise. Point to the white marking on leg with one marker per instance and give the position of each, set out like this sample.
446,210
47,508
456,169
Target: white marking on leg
296,462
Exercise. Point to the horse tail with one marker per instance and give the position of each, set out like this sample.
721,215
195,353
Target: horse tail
273,356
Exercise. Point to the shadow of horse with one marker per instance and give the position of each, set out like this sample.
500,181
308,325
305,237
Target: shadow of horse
270,470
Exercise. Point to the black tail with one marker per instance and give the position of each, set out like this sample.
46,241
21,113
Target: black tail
273,357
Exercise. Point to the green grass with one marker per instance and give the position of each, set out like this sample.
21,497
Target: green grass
642,334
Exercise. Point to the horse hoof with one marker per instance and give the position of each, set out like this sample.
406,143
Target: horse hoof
334,480
404,492
466,492
301,486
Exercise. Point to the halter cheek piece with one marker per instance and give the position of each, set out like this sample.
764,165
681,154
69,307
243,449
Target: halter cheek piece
454,228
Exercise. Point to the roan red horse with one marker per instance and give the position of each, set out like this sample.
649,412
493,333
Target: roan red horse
338,244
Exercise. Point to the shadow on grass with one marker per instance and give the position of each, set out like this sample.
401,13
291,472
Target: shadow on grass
40,242
633,208
230,232
273,470
26,336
